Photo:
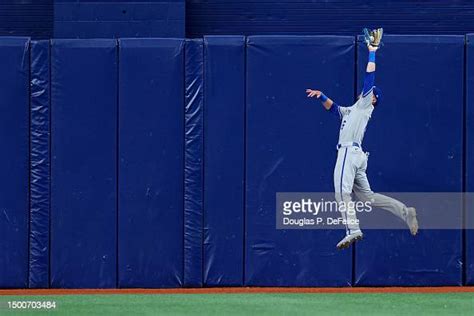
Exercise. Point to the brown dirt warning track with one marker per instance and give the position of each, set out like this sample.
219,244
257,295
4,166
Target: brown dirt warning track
241,290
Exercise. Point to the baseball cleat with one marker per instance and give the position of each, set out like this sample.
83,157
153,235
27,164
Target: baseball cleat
411,220
349,239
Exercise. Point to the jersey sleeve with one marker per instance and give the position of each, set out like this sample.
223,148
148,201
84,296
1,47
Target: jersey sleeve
365,100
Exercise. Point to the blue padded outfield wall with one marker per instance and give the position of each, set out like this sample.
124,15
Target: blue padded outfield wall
224,124
155,162
469,185
151,161
83,163
415,139
40,165
14,162
193,164
290,148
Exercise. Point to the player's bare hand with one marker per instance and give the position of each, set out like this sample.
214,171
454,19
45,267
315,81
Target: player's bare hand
372,48
313,93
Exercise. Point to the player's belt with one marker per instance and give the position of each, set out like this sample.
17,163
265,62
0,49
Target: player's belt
349,144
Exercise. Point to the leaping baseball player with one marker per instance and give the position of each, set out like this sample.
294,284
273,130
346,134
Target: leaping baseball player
351,165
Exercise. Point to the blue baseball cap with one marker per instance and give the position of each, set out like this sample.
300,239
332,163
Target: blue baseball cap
378,94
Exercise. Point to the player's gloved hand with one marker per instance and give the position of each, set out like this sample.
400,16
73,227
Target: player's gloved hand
374,37
313,93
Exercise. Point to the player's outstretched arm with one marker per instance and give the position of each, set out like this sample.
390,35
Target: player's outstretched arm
328,104
369,79
371,63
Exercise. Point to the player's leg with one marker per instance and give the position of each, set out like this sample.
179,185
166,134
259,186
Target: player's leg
344,173
363,192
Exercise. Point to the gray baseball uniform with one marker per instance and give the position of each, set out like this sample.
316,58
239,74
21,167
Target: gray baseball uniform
351,165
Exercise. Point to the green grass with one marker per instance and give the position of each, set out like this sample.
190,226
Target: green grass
251,304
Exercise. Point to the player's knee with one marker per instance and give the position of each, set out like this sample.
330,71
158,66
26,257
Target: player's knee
363,194
343,196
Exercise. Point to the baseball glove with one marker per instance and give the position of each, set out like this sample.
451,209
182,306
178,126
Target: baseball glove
374,37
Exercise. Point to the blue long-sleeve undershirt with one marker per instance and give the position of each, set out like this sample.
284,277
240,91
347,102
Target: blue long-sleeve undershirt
369,79
334,109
